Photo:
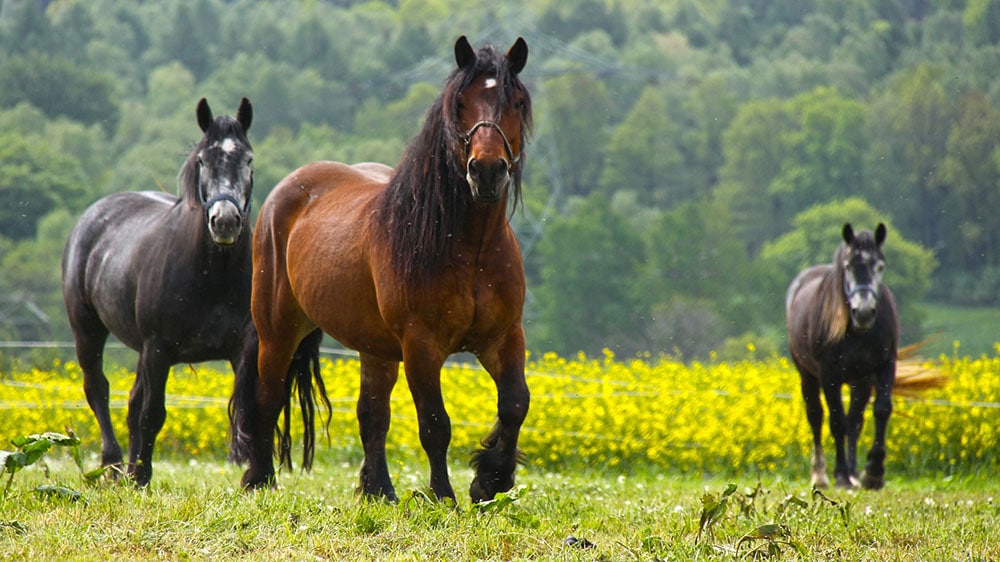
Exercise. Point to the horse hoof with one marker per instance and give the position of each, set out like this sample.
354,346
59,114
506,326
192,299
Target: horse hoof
869,482
847,483
819,481
250,482
478,494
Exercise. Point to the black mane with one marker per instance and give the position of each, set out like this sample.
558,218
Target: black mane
428,197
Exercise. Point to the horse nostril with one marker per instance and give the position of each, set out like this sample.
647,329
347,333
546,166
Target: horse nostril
475,168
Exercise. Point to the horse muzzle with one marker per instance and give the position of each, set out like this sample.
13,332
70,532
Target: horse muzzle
225,222
863,302
488,180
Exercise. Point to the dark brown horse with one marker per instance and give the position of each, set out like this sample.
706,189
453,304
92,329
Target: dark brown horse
406,266
843,328
170,277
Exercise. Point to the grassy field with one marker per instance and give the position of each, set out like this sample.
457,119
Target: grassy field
627,459
194,511
977,330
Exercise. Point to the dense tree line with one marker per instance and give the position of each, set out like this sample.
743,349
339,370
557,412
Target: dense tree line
690,155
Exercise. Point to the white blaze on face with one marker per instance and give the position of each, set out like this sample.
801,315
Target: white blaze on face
228,145
490,83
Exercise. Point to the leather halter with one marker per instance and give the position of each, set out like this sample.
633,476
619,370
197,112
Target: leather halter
467,139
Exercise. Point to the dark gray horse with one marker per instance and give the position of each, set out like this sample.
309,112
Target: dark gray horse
843,328
170,277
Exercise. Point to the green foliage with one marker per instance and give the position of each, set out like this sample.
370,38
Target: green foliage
34,180
760,110
28,449
583,254
59,87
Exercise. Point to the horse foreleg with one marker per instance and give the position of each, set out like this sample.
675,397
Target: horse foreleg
146,411
860,395
377,381
423,375
496,462
873,477
838,428
814,413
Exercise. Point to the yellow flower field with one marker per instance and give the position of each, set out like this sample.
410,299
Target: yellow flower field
713,418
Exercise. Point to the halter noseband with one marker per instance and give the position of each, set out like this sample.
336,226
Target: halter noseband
859,288
467,139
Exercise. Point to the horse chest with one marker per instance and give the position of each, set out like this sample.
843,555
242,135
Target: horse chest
855,358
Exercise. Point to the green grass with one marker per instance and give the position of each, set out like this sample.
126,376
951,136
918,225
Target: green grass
976,329
195,511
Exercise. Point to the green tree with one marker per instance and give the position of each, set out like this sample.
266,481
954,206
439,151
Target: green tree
782,157
34,180
908,127
59,87
971,169
753,157
573,110
981,19
697,274
586,297
642,155
32,274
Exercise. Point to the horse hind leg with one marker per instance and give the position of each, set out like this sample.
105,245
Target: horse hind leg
373,410
814,413
90,336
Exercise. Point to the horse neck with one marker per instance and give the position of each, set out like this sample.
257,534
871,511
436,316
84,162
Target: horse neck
484,222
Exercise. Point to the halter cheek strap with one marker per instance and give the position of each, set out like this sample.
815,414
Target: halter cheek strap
467,139
207,203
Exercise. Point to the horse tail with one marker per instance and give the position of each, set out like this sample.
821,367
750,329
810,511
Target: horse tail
303,374
243,402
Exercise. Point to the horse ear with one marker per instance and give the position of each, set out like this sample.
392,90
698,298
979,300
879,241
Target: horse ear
204,115
880,234
465,55
518,55
848,233
245,114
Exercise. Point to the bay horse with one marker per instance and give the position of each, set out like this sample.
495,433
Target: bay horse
406,265
843,328
170,277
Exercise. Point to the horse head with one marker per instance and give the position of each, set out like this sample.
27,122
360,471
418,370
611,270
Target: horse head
494,114
863,262
224,171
